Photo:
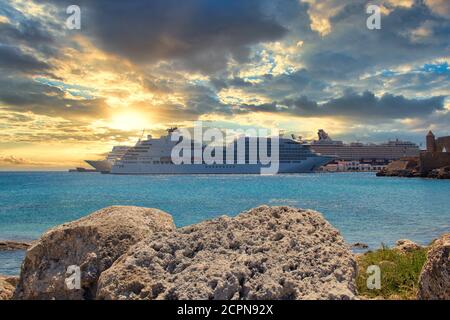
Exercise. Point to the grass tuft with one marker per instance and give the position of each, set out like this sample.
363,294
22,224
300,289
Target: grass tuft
399,273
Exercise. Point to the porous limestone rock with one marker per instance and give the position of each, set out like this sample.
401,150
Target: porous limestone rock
91,243
434,281
7,287
264,253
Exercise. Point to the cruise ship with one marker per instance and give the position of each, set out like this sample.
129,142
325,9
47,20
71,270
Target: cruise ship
153,156
384,152
106,164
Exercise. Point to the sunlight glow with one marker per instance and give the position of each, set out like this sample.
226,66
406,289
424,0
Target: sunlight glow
129,121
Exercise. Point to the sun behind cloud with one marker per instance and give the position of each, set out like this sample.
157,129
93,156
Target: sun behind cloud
129,121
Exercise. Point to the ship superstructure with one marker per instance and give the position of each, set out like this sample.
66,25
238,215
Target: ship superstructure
106,164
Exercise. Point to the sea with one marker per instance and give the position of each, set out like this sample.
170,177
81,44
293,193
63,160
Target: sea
365,208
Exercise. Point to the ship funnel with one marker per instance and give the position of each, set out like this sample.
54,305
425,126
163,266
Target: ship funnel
323,135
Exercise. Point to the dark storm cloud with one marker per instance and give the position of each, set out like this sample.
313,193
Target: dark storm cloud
387,106
31,32
351,49
28,32
278,87
26,45
293,15
414,82
14,60
23,95
200,34
359,106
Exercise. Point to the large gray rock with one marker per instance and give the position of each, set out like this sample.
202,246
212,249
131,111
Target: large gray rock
264,253
434,281
92,243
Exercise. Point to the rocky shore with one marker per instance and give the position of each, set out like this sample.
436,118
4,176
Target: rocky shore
264,253
410,168
13,245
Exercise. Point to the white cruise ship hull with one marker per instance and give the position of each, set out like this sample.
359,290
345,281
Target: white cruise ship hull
301,166
100,165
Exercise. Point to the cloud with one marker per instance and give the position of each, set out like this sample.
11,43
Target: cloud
17,161
286,85
35,35
24,95
365,106
388,106
440,7
27,32
199,34
351,49
13,59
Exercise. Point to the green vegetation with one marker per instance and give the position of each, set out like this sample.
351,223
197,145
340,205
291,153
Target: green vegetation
399,273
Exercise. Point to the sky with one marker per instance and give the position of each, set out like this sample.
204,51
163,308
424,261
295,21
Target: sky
295,65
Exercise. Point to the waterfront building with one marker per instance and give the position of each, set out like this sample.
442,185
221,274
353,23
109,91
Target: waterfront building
352,166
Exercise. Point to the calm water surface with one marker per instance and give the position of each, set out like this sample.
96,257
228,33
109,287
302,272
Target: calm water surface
365,208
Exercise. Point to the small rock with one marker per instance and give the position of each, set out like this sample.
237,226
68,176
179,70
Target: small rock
13,245
405,245
441,173
434,281
359,245
7,287
91,244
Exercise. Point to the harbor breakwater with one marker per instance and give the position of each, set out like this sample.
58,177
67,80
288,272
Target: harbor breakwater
138,253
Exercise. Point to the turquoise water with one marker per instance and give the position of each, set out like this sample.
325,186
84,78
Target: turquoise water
365,208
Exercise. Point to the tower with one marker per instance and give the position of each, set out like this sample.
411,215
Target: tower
431,142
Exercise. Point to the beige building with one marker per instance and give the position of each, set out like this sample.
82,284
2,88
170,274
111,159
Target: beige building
352,166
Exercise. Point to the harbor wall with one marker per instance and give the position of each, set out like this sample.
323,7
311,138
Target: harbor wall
433,160
443,143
